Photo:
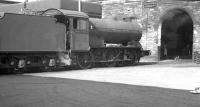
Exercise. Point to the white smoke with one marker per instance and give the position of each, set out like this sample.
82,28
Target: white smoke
64,58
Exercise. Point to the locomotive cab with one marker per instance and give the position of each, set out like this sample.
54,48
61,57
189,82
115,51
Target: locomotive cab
77,33
77,36
80,35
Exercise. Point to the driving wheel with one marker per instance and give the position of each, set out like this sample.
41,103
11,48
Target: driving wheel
84,60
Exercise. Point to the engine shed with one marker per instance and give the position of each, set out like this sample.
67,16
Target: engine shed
173,24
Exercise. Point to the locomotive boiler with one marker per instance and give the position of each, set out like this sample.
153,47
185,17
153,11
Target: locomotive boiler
115,32
57,37
115,43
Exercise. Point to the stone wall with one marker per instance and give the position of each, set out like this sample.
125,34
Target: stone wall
150,19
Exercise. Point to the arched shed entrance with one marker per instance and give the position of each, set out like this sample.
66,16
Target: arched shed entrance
176,34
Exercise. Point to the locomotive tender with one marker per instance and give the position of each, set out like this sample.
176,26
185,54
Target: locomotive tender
59,37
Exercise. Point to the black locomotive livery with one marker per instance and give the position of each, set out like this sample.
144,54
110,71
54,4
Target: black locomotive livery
64,38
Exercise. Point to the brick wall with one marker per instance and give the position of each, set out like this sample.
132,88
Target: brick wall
150,19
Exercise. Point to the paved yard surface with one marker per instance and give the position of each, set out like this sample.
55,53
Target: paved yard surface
165,84
172,74
31,91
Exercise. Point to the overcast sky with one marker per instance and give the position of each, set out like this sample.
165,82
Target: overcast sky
21,0
28,0
81,0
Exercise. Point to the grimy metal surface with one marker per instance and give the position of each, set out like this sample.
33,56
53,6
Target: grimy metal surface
115,31
31,33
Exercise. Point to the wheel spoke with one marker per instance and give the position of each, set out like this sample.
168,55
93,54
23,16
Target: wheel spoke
84,60
111,58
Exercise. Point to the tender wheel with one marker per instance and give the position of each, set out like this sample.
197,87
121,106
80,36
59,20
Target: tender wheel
48,64
19,66
84,60
47,68
9,70
44,69
18,71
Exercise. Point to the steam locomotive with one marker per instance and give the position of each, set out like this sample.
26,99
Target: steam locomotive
63,38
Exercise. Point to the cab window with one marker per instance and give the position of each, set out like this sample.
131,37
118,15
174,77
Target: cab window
79,24
62,19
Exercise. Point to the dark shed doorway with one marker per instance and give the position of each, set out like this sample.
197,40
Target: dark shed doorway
176,35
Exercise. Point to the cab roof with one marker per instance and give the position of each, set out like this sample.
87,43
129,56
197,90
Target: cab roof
71,13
